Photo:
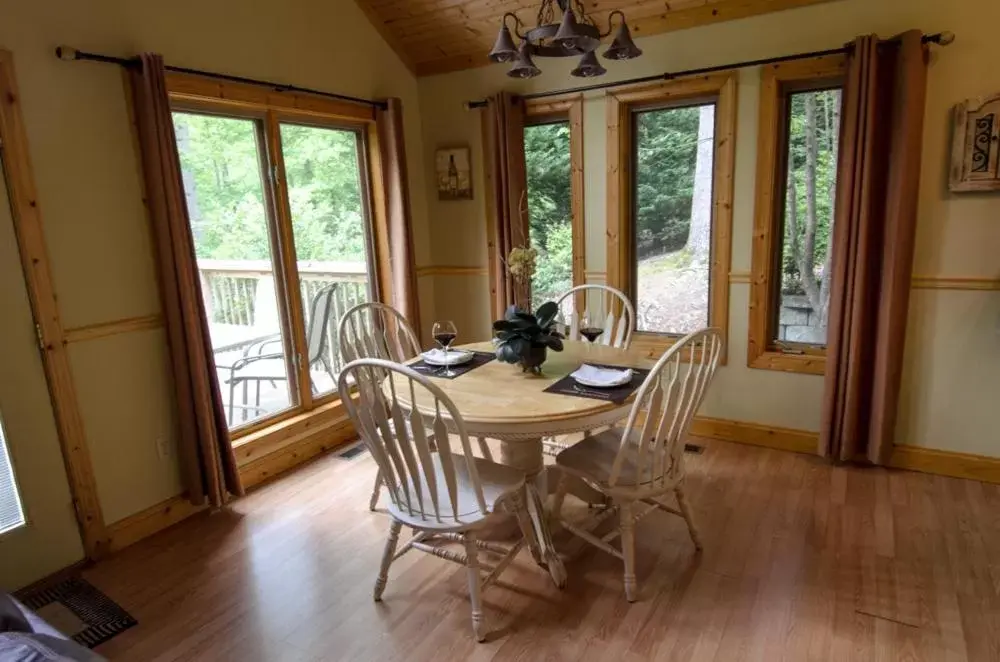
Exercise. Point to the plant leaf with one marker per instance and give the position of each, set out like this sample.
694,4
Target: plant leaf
554,343
546,314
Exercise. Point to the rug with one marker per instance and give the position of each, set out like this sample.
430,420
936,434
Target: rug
80,611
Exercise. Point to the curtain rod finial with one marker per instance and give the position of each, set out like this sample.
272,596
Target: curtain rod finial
66,53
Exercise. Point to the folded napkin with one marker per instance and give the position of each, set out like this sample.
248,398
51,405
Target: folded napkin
441,357
602,376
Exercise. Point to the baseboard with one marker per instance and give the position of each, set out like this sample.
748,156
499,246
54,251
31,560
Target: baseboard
755,434
154,519
946,463
269,467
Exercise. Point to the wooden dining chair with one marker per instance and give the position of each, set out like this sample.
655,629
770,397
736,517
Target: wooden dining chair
616,316
642,463
443,496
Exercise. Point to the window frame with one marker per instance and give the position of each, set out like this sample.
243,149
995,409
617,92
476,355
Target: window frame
777,83
196,94
721,89
568,108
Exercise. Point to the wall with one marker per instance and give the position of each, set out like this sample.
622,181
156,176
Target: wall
951,378
89,183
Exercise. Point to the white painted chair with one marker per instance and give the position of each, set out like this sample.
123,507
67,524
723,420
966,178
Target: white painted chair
602,303
443,496
615,314
376,331
644,461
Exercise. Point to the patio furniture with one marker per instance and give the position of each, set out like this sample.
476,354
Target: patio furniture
644,461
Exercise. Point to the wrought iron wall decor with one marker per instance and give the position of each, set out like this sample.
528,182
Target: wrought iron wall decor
575,35
975,157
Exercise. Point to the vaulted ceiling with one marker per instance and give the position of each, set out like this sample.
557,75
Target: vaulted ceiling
437,36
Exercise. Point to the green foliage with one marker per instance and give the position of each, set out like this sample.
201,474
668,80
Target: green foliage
519,331
221,164
547,158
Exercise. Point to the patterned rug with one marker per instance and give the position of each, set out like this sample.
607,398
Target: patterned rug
78,610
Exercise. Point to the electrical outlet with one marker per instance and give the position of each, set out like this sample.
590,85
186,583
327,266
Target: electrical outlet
162,447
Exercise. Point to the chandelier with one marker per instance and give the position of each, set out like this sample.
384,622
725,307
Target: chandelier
576,34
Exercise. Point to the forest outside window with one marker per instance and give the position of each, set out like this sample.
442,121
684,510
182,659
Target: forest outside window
281,215
797,188
670,174
553,153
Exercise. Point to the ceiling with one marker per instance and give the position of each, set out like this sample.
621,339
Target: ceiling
437,36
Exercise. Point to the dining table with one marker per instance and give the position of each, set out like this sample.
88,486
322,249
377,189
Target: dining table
499,401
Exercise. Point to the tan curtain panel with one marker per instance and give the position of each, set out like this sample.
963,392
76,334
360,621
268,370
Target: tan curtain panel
403,279
507,206
874,229
208,465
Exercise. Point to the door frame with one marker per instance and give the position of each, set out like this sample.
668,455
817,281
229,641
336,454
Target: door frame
28,228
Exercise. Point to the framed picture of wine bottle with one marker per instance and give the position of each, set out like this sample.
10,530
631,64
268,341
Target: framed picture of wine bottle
454,173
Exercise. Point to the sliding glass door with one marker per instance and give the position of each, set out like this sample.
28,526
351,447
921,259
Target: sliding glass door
279,211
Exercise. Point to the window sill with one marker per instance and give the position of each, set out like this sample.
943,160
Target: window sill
655,345
807,364
280,434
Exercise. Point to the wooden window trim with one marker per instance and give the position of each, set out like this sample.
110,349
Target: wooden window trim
188,92
777,81
722,89
569,108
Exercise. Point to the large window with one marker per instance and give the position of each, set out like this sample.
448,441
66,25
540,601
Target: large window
553,159
797,187
280,210
670,173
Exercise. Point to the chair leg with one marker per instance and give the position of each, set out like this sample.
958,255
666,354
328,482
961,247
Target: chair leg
232,398
560,497
484,448
628,549
475,582
376,491
685,509
390,551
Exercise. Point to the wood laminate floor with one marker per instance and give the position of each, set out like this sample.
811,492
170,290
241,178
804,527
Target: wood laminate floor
802,561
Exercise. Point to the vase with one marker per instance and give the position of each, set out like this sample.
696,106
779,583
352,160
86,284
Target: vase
534,358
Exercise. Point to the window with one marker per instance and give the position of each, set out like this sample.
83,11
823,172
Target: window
11,512
670,173
553,154
281,214
793,226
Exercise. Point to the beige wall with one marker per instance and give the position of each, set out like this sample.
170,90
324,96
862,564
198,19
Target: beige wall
951,381
88,182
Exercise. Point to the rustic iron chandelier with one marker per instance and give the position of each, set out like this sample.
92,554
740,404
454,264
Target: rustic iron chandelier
575,35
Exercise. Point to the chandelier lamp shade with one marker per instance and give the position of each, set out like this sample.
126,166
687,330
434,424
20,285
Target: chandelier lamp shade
574,35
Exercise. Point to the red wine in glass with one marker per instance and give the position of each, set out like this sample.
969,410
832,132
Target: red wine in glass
591,333
445,339
445,333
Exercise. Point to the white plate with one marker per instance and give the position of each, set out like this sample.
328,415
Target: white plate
587,376
454,357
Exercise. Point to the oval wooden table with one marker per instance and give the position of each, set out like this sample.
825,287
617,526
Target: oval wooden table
500,402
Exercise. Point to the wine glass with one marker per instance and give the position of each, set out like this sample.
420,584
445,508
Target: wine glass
444,333
590,330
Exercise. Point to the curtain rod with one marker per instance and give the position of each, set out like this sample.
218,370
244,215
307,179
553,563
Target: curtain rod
941,38
70,54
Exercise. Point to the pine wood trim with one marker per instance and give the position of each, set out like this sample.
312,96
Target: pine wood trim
946,463
275,464
955,283
444,270
776,82
493,267
191,88
261,443
739,277
113,328
154,519
722,88
27,217
756,434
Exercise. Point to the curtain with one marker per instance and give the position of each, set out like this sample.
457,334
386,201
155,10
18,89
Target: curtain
403,295
874,228
208,465
507,205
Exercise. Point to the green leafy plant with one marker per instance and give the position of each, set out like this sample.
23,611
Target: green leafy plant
523,336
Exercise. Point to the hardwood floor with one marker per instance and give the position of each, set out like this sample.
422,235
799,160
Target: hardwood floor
802,561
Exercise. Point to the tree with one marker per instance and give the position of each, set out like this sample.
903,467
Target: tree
699,233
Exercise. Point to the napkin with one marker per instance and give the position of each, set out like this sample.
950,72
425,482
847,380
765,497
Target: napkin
441,357
603,376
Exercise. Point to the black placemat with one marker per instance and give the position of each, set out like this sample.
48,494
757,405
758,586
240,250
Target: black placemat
479,359
618,395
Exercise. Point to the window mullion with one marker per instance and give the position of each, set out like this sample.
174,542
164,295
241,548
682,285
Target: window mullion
289,265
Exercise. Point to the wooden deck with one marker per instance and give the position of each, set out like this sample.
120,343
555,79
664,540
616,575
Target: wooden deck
802,561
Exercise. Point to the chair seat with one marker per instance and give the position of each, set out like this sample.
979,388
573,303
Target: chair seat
594,457
498,480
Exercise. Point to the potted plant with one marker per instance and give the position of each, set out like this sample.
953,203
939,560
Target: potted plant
525,338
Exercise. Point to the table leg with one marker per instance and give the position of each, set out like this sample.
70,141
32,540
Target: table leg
527,456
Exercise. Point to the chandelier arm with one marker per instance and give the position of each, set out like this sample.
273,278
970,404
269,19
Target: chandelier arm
611,26
517,24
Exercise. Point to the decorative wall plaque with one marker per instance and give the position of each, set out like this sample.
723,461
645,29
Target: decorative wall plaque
975,154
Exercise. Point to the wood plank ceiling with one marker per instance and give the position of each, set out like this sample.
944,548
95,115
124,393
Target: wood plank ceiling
437,36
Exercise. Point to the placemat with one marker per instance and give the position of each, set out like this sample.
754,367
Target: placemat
479,359
618,395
